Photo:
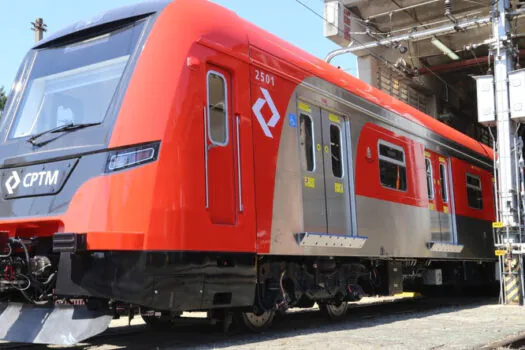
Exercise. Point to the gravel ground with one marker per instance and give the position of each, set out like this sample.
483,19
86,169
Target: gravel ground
452,325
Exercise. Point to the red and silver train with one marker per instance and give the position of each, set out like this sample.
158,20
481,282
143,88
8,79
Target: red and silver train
171,157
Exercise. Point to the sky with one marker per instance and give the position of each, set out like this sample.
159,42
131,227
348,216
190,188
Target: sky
287,19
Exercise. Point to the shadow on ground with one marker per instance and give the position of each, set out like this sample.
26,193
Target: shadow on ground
301,323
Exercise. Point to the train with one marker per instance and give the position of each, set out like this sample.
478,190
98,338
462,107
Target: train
171,156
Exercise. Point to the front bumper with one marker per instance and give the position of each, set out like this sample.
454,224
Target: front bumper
58,325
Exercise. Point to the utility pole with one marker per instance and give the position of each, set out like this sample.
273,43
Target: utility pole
498,100
506,128
39,27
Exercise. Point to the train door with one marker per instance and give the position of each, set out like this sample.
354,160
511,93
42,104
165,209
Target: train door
312,168
221,190
445,212
334,136
439,192
433,199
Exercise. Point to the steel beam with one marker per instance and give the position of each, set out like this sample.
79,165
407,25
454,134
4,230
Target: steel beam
424,34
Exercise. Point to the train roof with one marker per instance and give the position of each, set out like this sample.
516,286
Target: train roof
136,10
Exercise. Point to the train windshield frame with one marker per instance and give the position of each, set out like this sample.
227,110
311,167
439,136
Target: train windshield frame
74,83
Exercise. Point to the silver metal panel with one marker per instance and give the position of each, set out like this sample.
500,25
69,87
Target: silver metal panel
314,202
351,175
516,93
485,95
336,188
239,173
58,325
445,247
446,227
390,233
287,217
393,230
435,225
332,241
206,159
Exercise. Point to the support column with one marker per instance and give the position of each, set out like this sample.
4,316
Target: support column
367,69
508,182
505,126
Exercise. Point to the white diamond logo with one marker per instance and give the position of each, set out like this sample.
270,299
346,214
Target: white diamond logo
257,107
12,183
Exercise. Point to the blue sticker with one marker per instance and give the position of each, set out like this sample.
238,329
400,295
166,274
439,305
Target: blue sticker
292,119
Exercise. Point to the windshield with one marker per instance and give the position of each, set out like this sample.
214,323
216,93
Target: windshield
74,84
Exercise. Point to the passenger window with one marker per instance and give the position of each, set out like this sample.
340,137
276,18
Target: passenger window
335,147
217,109
307,142
392,166
474,194
443,181
430,187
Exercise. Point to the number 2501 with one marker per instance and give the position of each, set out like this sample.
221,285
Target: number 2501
264,77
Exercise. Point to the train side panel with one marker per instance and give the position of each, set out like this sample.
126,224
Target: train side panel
400,221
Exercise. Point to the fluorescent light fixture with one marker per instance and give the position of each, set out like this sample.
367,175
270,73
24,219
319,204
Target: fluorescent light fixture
435,41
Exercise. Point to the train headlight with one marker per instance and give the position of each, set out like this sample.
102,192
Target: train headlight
132,156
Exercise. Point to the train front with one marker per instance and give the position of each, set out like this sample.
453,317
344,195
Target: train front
58,170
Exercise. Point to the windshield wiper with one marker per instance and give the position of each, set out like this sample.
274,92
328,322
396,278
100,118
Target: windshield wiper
66,127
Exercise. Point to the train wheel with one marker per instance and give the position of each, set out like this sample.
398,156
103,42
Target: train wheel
336,311
258,322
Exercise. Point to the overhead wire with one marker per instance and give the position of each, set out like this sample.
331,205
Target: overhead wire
380,57
475,2
477,61
373,54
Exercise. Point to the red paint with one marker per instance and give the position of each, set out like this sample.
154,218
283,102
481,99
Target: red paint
368,182
459,171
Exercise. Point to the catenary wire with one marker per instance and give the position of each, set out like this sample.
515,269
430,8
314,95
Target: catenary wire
380,57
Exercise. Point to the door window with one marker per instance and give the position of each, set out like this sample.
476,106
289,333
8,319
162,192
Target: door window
217,109
443,181
307,143
428,170
336,151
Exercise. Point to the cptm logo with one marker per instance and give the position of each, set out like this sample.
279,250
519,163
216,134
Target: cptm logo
257,107
41,178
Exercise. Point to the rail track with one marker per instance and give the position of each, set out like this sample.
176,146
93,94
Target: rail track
199,334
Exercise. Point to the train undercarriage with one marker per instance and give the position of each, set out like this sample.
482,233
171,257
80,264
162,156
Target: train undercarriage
66,297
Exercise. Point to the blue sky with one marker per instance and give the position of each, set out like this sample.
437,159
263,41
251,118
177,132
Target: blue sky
285,18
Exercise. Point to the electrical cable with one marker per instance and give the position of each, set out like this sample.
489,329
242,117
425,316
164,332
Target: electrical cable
380,57
474,2
476,58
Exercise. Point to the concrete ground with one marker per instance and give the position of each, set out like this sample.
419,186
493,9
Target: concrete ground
414,324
